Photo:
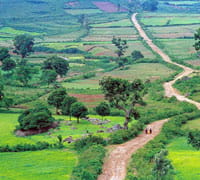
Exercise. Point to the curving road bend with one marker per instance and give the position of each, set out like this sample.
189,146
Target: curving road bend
168,86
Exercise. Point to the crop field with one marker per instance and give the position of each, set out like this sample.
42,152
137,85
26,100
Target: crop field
181,49
170,19
83,11
123,22
37,165
185,159
172,32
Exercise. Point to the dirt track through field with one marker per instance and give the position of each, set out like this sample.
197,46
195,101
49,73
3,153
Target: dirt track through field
116,163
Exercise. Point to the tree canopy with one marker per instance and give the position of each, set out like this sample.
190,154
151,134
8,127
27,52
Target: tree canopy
23,45
4,53
123,95
103,109
197,40
78,110
56,98
8,64
60,65
67,103
150,5
37,118
49,76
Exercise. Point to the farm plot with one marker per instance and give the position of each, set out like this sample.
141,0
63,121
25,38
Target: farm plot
37,165
174,32
106,34
180,49
185,159
120,23
194,124
171,19
82,11
108,49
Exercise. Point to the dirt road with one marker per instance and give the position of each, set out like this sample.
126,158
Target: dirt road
115,165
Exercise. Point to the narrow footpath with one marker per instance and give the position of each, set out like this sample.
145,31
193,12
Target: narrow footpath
115,165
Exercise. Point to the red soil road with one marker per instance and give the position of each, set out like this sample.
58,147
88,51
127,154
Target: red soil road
115,165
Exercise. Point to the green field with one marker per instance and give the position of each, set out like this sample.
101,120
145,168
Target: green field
185,160
37,165
194,124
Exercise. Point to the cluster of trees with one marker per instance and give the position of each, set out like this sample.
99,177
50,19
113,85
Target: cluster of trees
23,44
197,39
138,5
68,105
122,46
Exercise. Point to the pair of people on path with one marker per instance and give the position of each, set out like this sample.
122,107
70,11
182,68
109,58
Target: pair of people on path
148,130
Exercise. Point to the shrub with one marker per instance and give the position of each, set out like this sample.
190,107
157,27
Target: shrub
90,163
37,118
88,141
194,138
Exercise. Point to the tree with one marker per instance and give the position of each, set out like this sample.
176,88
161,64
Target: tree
66,105
24,72
103,109
123,95
134,6
8,64
36,118
7,102
78,110
56,98
150,5
121,49
162,165
197,39
60,65
4,53
49,76
136,55
1,92
194,139
23,45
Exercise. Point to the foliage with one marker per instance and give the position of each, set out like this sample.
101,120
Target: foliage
88,141
136,55
150,5
90,163
194,138
123,95
197,39
78,110
103,109
60,65
8,64
56,98
23,44
7,102
162,165
66,105
37,118
121,49
49,76
4,53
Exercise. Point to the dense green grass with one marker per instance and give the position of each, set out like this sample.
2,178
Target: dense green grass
185,159
47,164
8,123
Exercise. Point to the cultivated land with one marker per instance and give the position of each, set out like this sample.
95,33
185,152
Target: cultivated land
59,30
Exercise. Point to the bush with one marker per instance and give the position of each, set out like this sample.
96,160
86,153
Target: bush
89,141
90,163
194,138
37,118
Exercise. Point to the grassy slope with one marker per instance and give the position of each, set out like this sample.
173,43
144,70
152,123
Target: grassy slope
47,164
185,159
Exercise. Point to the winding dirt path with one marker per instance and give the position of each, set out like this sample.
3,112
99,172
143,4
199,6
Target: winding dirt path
115,165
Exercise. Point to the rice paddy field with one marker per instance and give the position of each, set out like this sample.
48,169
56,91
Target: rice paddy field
185,159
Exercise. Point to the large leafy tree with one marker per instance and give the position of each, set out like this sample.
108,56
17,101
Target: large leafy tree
23,45
4,53
150,5
37,118
197,39
60,65
78,110
123,95
49,76
56,98
121,49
